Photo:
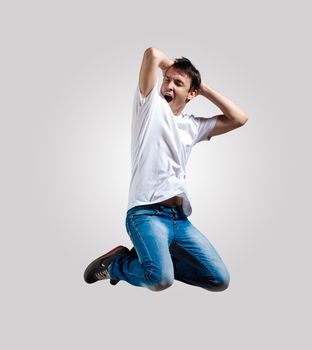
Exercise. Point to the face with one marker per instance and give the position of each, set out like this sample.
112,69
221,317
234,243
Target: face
175,89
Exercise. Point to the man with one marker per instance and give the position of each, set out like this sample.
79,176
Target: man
166,245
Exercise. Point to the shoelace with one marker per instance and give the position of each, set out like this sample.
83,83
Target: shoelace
102,275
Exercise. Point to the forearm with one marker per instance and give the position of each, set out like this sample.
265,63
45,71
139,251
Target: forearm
229,108
153,59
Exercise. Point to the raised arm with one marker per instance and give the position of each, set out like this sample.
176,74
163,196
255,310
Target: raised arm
152,60
233,117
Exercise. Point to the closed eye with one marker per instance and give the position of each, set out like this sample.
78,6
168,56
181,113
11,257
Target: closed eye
179,83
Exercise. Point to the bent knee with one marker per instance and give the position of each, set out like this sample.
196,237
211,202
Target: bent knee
220,283
219,287
158,283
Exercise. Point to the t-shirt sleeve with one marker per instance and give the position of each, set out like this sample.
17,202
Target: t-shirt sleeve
204,127
140,100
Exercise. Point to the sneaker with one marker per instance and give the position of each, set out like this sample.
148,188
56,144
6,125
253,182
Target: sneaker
98,269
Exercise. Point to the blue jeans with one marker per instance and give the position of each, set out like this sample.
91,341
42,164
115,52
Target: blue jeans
168,247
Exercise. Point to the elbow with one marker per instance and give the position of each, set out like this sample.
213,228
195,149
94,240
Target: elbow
151,54
242,120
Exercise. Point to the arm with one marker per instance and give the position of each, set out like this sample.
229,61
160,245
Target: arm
233,117
152,60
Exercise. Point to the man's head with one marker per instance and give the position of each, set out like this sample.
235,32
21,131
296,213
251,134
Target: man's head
181,83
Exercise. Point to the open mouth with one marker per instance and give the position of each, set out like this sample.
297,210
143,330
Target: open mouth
168,98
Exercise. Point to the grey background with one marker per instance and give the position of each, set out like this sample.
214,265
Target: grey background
68,73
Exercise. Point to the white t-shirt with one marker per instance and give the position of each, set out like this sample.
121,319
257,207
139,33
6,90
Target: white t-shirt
161,144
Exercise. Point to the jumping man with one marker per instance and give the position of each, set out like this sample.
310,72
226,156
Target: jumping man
166,244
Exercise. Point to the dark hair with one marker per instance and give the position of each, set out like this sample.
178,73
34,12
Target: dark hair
185,66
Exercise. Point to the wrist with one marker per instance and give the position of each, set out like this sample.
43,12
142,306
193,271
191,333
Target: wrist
203,89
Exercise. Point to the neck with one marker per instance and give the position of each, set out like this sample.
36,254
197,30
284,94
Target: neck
177,111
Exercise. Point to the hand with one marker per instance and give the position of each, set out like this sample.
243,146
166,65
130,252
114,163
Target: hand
202,88
165,65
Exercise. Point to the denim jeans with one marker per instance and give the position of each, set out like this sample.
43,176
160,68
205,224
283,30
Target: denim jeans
168,247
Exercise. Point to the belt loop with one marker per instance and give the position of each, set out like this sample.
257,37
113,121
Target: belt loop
157,208
173,213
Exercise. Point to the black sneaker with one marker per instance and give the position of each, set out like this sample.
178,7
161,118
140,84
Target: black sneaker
98,269
132,252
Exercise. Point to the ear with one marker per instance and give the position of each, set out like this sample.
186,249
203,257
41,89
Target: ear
192,94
